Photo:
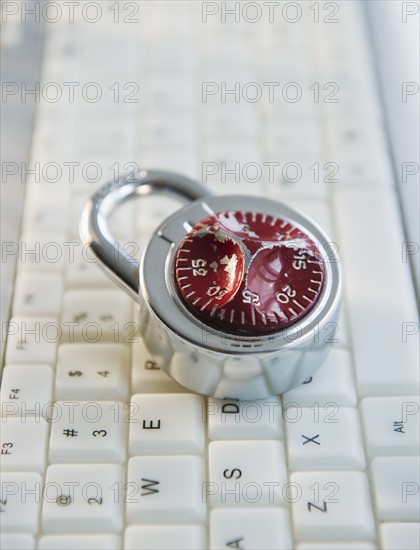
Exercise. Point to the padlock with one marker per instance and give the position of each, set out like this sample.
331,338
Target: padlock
237,294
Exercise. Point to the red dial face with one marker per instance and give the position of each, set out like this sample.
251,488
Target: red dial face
248,273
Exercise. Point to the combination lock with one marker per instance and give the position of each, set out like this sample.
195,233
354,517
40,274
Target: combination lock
236,293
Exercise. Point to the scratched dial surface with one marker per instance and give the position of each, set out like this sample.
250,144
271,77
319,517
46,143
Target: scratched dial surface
248,273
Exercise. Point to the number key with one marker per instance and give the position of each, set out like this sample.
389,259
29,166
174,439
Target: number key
88,431
82,498
92,371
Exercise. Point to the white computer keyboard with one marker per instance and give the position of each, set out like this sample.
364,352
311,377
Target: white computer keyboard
99,448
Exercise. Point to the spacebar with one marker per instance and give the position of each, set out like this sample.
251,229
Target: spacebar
378,287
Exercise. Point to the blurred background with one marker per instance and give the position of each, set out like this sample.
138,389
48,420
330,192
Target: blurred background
296,100
315,103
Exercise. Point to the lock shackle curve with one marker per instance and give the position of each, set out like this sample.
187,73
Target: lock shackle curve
94,231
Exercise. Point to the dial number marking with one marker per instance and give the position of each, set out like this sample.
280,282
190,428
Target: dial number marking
287,293
299,262
197,267
251,297
249,272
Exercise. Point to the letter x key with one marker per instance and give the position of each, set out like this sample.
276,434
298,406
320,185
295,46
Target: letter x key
310,439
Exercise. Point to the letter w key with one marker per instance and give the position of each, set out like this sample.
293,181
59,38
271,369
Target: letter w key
149,487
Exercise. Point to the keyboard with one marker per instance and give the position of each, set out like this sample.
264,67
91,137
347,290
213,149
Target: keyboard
100,448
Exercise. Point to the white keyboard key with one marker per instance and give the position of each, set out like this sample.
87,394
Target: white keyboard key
20,502
184,158
396,482
98,316
394,536
92,371
32,340
234,54
342,47
245,473
166,58
159,129
45,191
256,528
154,211
79,542
336,546
147,376
219,68
164,537
159,96
361,154
224,165
298,177
82,498
49,144
392,425
42,252
386,359
288,140
82,270
26,390
37,294
333,382
9,541
88,431
331,506
244,419
224,121
109,138
165,489
45,214
23,444
349,111
166,424
324,438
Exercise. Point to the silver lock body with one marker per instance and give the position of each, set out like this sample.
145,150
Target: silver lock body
201,358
